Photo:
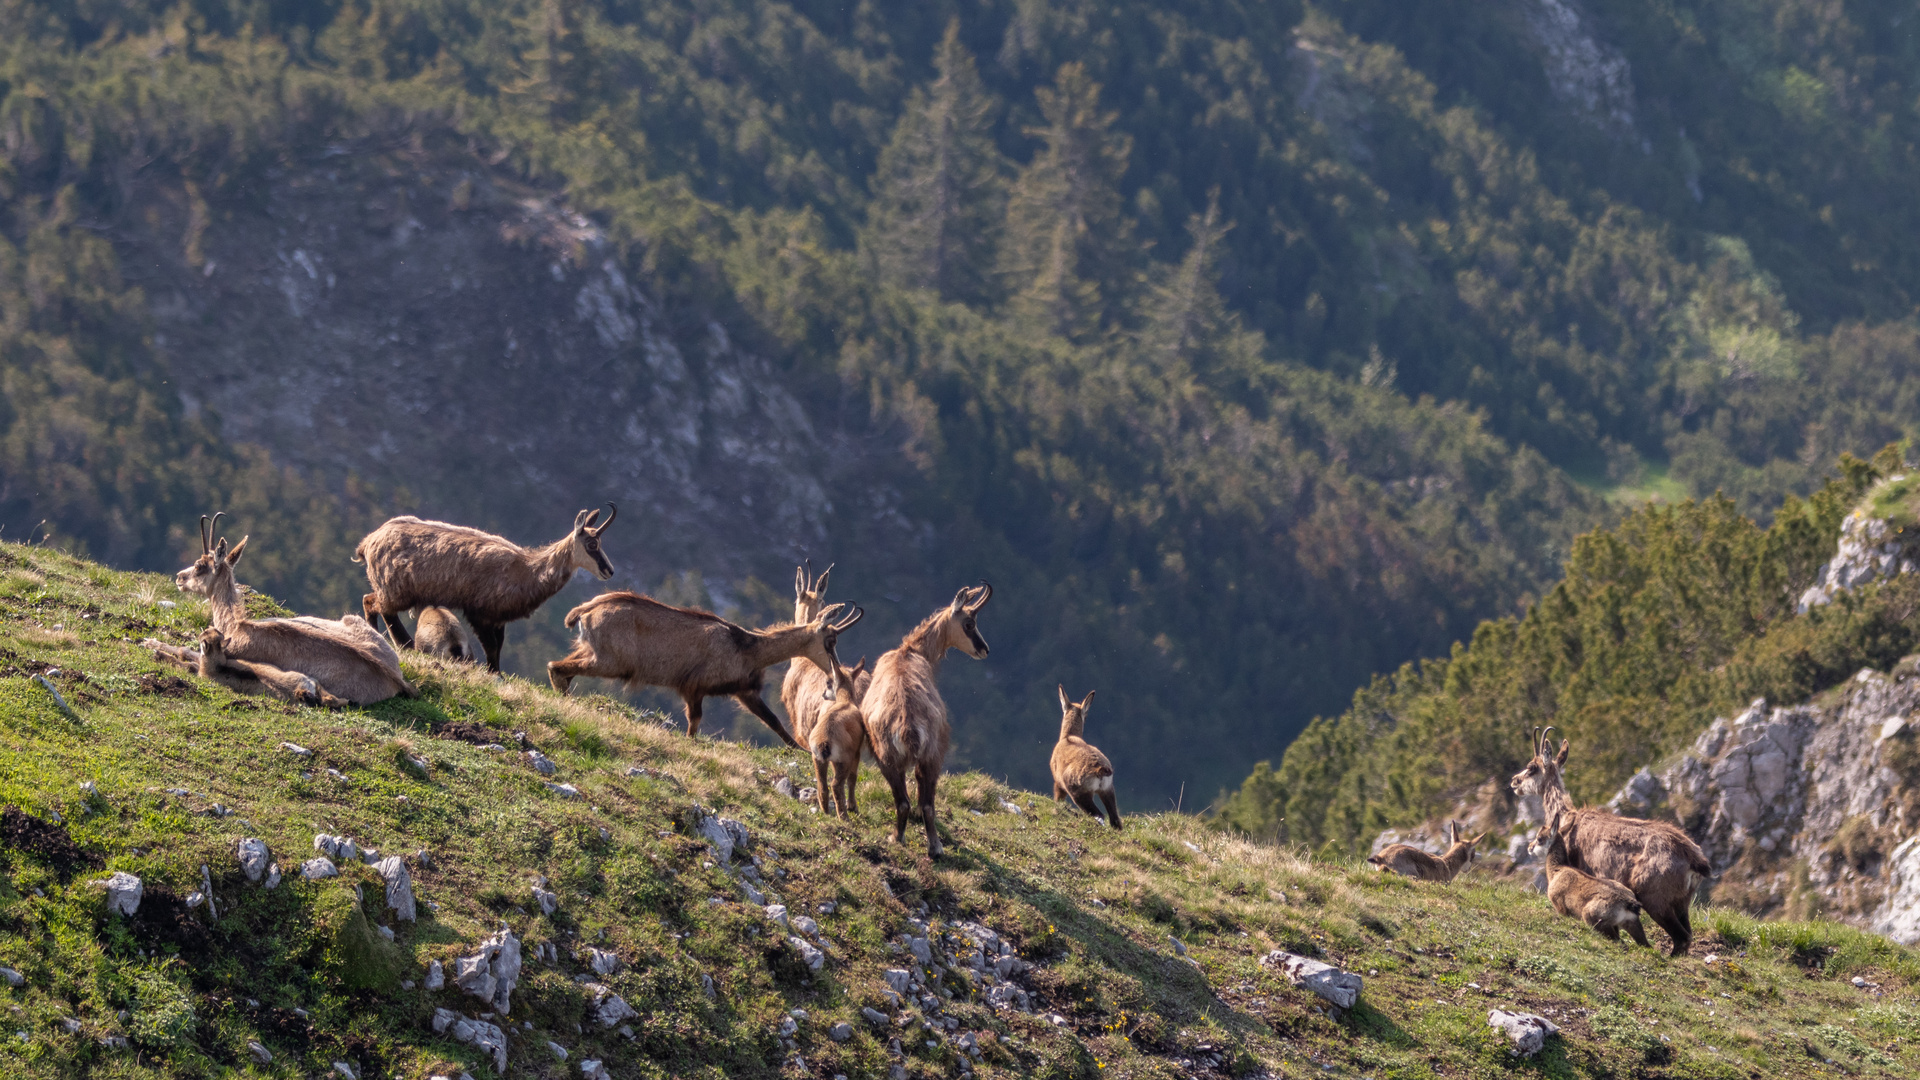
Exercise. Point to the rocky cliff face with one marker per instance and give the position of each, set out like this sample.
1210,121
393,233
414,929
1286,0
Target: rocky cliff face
473,346
1808,809
1871,549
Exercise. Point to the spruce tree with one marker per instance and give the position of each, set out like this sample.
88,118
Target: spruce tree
1067,256
940,187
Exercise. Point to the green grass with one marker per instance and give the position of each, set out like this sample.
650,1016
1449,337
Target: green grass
1896,500
1090,909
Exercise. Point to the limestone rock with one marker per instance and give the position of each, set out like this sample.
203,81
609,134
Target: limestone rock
1342,988
260,1053
778,913
1527,1031
874,1016
592,1069
541,763
11,977
318,867
548,901
811,956
608,1007
725,834
254,858
491,973
399,887
478,1033
337,848
840,1032
273,877
898,979
559,1052
436,976
1869,551
124,891
603,962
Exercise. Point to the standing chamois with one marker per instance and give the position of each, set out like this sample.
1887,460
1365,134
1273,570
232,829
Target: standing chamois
907,724
1607,906
697,654
437,631
1409,861
212,663
1658,861
1080,770
346,658
802,692
838,738
415,564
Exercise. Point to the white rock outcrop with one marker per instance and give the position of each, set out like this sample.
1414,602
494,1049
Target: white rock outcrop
1870,550
1342,988
608,1007
492,972
399,881
124,891
478,1033
254,858
1526,1031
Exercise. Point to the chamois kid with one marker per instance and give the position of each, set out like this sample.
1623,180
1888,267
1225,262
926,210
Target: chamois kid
438,632
838,738
803,692
345,657
1607,906
1409,861
697,654
492,580
212,663
1658,861
907,726
1080,771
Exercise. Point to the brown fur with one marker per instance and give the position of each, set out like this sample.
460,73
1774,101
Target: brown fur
697,654
803,692
1409,861
346,658
1080,770
493,581
1658,861
212,663
838,738
1607,906
907,725
438,631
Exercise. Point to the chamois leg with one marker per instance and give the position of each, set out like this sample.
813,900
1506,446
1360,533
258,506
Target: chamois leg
927,780
1677,931
177,655
753,703
1609,931
1638,934
1683,918
844,780
492,637
1085,802
1113,809
694,712
897,780
821,788
397,630
562,672
1058,791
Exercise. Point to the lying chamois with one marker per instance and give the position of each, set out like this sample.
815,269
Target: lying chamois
838,738
415,564
907,726
1409,861
697,654
438,632
1658,861
1080,770
1607,906
802,692
346,658
212,663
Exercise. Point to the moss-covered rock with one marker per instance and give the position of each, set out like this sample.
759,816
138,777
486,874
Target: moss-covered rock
353,949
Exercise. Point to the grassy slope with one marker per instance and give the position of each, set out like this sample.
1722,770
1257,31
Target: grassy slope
1443,954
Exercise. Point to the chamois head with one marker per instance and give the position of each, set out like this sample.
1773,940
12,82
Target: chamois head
1543,771
824,643
962,616
808,591
1466,847
215,565
1073,714
1543,840
586,542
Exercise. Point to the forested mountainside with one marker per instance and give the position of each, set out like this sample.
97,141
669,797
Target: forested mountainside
1248,349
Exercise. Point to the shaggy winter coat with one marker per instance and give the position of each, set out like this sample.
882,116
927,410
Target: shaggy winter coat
1607,906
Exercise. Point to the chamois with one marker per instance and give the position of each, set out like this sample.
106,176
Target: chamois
907,724
212,663
415,564
347,658
1409,861
802,691
1080,770
838,738
697,654
1607,906
1658,861
438,631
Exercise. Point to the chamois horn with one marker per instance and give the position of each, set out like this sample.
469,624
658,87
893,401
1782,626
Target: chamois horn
986,593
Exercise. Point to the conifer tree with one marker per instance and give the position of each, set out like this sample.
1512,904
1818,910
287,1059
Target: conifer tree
1067,254
940,187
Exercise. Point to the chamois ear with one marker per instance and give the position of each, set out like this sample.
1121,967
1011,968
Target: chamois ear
1066,703
799,582
1087,702
1474,842
825,617
580,520
960,598
1561,758
233,557
820,583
